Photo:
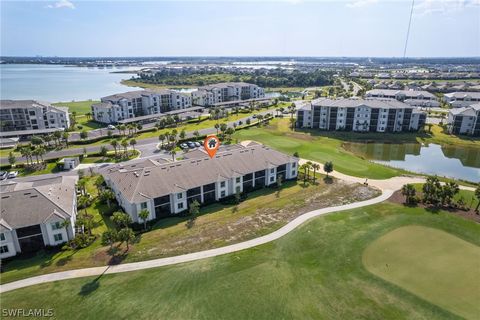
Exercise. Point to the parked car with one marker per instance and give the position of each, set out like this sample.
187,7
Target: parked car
197,144
12,174
183,146
111,127
254,116
3,175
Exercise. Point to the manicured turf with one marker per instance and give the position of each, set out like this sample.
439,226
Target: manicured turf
430,263
80,107
316,272
279,136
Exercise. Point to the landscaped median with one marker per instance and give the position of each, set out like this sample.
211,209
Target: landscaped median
316,271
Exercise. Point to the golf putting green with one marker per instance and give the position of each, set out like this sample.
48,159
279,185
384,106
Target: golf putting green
430,263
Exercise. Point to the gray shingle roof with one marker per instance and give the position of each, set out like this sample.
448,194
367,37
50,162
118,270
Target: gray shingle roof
139,184
407,93
352,103
462,95
34,202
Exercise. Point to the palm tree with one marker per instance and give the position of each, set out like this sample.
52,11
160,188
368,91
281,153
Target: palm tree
108,196
81,185
309,166
133,142
315,167
124,144
143,214
114,144
83,202
304,168
173,153
217,126
126,235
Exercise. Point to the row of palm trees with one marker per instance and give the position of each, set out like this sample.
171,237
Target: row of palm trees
117,145
314,167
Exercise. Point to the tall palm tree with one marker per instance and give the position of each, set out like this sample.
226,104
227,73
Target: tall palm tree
173,153
114,144
124,144
133,142
309,166
315,167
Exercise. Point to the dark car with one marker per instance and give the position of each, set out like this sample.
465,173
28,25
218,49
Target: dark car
191,144
3,175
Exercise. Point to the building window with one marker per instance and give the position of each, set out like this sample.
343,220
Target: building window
2,236
238,180
180,205
222,194
143,205
272,170
179,195
58,237
222,184
56,225
271,179
4,249
293,172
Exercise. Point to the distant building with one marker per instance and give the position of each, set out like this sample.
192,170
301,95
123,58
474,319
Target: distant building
461,99
21,115
34,213
464,120
166,189
133,104
411,97
368,115
223,92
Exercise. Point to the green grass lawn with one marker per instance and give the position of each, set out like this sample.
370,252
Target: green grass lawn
80,107
315,272
279,136
441,269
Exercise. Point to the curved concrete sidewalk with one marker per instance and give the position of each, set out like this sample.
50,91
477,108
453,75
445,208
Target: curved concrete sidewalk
71,274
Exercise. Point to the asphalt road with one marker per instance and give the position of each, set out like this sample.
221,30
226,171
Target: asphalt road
144,145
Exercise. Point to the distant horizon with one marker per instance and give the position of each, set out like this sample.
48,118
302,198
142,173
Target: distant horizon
244,56
283,28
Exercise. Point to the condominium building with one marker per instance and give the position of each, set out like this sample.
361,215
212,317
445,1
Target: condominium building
132,104
166,189
410,97
464,120
34,213
461,99
223,92
20,115
360,115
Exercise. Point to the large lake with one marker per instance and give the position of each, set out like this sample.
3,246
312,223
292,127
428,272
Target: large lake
60,83
449,161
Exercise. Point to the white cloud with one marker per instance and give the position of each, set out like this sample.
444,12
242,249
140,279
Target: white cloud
426,7
62,4
360,3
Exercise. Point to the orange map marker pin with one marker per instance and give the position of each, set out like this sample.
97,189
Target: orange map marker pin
211,145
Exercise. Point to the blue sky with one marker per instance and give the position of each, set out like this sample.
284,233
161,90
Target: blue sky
227,28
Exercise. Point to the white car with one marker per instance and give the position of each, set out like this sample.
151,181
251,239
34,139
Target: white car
111,127
12,174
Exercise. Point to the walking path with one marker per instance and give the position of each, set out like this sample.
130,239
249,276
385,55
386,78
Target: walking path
71,274
387,187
